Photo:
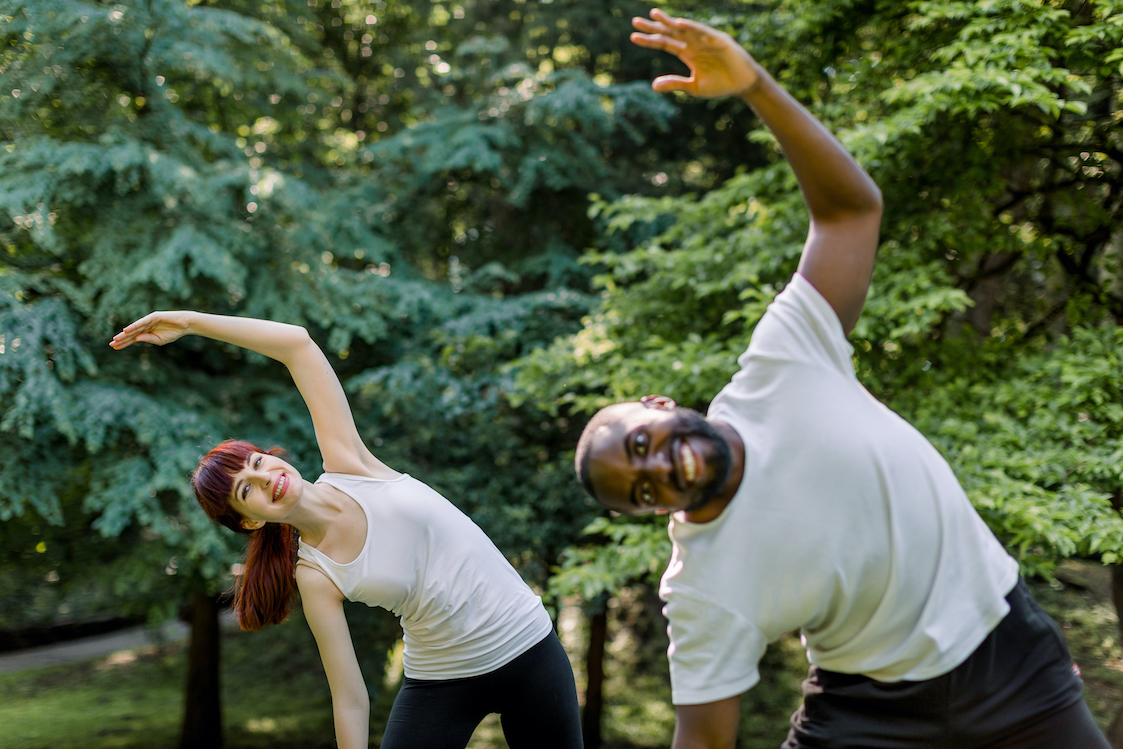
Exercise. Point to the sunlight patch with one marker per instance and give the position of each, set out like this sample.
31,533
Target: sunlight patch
261,725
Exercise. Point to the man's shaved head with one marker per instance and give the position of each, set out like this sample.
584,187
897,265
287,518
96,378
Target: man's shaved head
605,417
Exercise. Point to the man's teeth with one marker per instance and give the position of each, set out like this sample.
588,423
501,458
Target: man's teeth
689,467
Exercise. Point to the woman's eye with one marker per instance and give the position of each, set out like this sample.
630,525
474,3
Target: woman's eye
645,494
257,463
641,444
245,491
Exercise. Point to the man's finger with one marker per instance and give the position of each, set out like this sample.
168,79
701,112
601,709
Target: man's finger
666,83
650,27
661,16
686,24
681,25
658,41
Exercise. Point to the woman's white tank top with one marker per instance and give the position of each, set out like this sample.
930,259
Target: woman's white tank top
463,608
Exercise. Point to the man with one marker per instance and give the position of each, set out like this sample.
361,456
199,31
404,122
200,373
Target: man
802,502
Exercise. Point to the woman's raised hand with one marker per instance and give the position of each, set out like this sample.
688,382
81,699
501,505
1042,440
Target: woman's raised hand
159,328
719,66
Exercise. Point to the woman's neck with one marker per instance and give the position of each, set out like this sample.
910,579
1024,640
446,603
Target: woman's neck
320,507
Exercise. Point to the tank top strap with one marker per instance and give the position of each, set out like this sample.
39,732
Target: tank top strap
320,560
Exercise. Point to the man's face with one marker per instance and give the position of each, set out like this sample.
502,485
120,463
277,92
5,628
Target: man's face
659,458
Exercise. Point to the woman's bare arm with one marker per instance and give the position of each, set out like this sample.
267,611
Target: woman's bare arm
338,438
350,704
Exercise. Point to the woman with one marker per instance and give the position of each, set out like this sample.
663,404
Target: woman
477,639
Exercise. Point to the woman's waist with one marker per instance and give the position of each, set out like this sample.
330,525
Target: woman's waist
450,651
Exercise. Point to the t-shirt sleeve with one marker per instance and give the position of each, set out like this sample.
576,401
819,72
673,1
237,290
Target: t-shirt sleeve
800,326
713,652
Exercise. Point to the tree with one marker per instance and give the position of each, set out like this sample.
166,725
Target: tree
408,183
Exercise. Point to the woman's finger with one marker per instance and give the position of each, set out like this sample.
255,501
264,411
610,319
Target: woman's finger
138,323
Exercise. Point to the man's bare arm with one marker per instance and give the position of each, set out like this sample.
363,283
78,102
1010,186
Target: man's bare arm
844,202
712,725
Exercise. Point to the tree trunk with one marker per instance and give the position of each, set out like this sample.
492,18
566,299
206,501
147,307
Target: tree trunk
594,668
985,289
202,715
1115,730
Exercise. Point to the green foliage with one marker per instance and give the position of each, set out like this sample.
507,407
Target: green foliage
408,181
991,323
1041,453
625,551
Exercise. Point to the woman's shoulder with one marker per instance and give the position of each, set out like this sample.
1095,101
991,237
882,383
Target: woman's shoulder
367,466
329,477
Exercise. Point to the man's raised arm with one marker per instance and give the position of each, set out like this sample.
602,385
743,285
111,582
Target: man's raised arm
844,202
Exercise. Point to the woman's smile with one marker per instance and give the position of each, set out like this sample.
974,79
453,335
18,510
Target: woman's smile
281,486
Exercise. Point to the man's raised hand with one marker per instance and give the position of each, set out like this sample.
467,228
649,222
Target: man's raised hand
719,66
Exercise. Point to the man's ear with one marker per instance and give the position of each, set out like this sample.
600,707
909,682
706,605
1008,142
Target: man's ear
252,525
661,402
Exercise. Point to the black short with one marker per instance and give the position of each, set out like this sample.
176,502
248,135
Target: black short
533,694
1018,689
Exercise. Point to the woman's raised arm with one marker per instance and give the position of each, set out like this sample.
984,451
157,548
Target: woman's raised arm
336,435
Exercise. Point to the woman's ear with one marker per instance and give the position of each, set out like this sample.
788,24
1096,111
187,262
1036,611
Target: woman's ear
252,525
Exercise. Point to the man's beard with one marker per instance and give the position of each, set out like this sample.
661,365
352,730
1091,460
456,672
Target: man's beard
689,423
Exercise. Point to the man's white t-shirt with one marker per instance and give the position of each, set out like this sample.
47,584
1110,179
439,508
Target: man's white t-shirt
847,525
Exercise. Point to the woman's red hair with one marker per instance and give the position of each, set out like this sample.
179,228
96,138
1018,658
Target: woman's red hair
264,592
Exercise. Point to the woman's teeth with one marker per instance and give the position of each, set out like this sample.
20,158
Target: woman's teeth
689,465
280,486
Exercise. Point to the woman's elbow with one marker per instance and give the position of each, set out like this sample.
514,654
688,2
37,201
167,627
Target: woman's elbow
355,701
301,342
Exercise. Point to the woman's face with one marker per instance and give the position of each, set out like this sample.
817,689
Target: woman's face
265,490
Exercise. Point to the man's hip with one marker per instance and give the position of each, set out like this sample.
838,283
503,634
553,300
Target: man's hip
1019,688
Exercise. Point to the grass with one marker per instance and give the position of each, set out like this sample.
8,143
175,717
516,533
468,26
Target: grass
275,693
134,699
127,704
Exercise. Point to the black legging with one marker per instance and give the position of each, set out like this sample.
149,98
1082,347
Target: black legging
533,694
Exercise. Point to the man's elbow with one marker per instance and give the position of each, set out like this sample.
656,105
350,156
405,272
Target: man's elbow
877,205
868,203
